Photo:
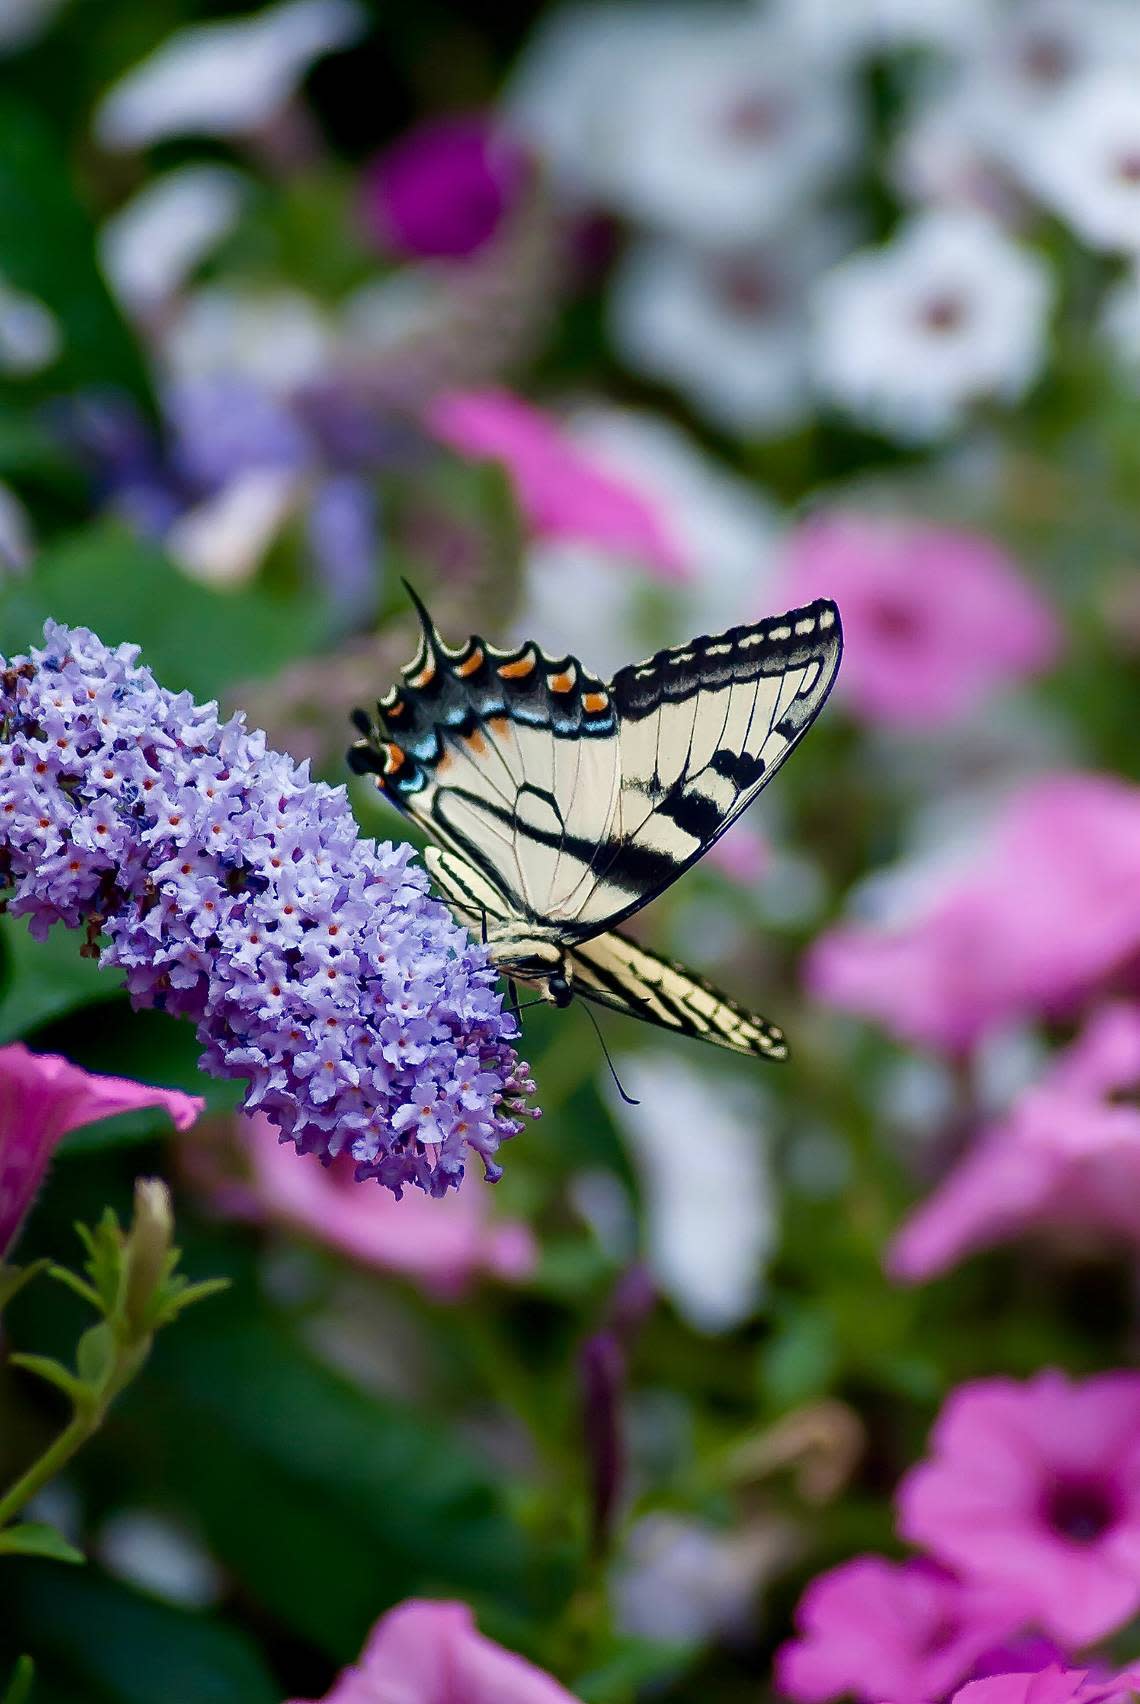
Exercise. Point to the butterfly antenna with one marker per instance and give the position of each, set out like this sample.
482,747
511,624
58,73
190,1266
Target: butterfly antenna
628,1099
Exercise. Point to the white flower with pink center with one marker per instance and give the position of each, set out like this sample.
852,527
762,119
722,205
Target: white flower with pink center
910,336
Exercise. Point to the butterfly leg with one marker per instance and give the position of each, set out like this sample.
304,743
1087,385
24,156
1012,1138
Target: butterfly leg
513,999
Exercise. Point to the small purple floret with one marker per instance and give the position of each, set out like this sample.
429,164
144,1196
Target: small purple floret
233,890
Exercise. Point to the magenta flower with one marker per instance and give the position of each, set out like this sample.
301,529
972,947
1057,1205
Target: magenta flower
932,617
1034,1489
1047,909
443,1246
561,492
1068,1155
444,189
42,1098
1053,1685
432,1653
906,1631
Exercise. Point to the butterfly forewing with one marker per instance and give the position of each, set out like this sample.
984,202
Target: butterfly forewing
579,801
701,729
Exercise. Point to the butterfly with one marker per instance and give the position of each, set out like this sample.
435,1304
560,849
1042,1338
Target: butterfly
559,805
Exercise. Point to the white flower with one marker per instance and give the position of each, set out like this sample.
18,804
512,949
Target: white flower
951,312
1086,160
225,79
706,122
729,330
1035,52
152,245
856,27
279,338
607,610
21,21
30,336
681,1581
558,96
223,540
945,153
699,1151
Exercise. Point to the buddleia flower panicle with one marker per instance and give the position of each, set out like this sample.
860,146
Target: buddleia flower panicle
233,890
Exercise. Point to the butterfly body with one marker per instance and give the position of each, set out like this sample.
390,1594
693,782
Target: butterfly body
560,804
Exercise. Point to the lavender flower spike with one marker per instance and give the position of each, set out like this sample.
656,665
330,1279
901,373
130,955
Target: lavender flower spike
235,891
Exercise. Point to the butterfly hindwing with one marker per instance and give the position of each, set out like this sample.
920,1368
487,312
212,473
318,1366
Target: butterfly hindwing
473,899
615,971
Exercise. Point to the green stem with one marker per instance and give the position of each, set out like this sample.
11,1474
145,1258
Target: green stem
74,1435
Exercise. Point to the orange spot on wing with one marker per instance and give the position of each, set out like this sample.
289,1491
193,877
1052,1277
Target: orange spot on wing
473,662
396,708
396,758
595,701
425,676
498,725
517,670
477,743
561,682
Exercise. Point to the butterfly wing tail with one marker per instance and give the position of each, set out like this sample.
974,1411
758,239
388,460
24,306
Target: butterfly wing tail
614,971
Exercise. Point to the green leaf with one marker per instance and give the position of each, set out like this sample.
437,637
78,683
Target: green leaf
13,1279
191,636
53,1373
35,1539
45,979
234,1416
96,1354
48,244
94,1639
20,1685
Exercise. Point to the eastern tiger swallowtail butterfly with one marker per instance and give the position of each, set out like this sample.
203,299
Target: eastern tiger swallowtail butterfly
561,804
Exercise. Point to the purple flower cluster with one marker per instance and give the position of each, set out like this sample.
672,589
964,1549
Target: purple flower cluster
235,891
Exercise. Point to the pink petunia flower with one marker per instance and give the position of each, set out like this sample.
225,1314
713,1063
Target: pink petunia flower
1052,1685
932,616
443,190
432,1653
1066,1156
42,1098
563,494
906,1631
1034,1489
441,1245
1047,910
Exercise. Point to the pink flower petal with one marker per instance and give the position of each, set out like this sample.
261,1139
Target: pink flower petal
562,493
1064,1156
442,1245
432,1653
932,616
42,1098
1047,911
1032,1488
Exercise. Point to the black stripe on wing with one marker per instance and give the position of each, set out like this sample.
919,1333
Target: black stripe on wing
748,653
614,971
457,692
